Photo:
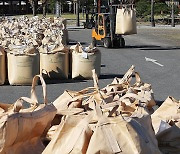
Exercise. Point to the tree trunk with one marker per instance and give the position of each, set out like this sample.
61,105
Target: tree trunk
44,10
34,10
77,13
152,13
172,14
34,7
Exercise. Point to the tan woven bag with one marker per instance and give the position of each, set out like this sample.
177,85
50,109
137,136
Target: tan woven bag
21,130
72,136
120,135
126,21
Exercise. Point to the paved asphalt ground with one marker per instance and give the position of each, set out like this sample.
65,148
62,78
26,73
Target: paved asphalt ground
161,43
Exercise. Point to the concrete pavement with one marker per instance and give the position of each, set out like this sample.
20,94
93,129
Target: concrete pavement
115,62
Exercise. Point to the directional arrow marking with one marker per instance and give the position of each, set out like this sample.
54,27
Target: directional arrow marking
154,61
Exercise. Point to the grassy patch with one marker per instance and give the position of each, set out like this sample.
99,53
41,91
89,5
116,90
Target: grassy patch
64,15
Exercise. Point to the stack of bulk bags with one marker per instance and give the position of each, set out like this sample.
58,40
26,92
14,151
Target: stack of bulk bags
59,26
2,66
54,61
84,60
23,64
114,119
23,36
126,21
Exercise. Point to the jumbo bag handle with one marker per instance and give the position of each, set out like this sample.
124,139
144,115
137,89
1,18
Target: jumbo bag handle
96,84
33,89
18,105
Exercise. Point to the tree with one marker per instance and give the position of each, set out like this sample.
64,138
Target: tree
34,5
44,4
172,14
152,14
143,8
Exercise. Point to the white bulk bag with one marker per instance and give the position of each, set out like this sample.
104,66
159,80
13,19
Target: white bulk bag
126,21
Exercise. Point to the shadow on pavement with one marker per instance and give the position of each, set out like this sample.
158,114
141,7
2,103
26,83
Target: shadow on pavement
153,47
110,76
163,48
73,42
73,30
142,46
159,103
64,81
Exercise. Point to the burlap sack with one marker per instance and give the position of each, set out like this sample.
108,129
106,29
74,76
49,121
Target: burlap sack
21,130
169,139
72,136
126,21
56,64
169,110
2,66
72,99
137,90
120,135
22,68
84,62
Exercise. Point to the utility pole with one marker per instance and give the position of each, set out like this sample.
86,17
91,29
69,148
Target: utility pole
152,14
58,14
77,13
172,14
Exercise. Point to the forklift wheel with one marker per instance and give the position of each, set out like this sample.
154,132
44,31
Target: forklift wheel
90,26
94,42
107,42
121,42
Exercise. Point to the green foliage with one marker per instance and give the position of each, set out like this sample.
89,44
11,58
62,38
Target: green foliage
143,8
52,5
176,10
161,8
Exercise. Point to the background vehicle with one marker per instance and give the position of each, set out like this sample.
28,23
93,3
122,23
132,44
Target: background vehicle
105,22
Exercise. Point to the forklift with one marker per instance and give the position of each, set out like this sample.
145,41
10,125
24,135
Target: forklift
104,31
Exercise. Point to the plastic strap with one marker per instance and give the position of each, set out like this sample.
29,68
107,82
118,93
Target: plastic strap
96,85
110,138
